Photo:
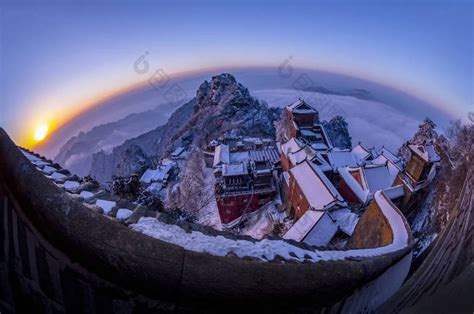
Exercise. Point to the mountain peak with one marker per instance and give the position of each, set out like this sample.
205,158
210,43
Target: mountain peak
219,90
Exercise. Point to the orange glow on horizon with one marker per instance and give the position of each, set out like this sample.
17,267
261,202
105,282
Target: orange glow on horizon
58,119
41,132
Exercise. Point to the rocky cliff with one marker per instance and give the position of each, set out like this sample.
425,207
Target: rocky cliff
221,106
338,131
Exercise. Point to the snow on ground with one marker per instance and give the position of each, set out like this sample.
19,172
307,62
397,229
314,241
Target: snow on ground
30,157
71,185
48,170
269,249
58,176
260,224
86,195
40,163
345,219
105,205
422,226
123,213
422,243
374,123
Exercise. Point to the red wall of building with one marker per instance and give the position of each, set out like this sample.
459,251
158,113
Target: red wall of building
304,120
232,207
297,200
347,193
285,163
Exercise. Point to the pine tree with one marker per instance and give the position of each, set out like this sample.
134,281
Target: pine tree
338,132
126,187
426,134
151,200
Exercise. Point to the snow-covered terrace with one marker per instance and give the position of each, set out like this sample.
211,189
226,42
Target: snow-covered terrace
263,250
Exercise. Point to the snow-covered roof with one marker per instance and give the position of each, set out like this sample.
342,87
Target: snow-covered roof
341,158
345,219
321,162
299,156
377,177
394,192
310,133
373,177
178,151
234,169
349,157
316,187
425,151
304,225
238,157
291,146
359,189
389,155
360,152
221,155
319,146
300,106
264,154
159,174
393,168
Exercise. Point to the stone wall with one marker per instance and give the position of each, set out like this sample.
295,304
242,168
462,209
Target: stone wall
57,255
373,229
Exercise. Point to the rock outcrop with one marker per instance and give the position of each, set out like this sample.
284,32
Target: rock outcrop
221,106
338,132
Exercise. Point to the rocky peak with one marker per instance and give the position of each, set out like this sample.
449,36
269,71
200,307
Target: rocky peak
222,89
222,106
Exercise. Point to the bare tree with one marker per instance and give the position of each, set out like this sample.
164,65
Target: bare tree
281,127
192,194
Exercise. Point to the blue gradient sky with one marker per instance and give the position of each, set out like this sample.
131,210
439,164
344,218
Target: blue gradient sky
57,59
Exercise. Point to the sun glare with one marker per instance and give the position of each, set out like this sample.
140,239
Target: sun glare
41,132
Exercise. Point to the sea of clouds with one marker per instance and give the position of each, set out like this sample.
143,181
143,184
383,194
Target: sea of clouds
371,122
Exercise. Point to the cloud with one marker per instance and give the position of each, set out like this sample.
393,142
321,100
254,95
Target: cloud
370,122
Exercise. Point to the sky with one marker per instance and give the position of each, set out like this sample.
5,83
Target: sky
58,59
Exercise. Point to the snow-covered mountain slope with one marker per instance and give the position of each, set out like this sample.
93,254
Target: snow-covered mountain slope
374,123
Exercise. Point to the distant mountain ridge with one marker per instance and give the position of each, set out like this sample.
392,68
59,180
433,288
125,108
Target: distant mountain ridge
356,92
76,153
221,106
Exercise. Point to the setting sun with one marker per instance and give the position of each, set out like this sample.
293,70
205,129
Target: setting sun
41,132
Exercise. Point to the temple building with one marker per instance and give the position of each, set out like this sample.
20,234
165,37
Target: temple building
304,124
245,180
